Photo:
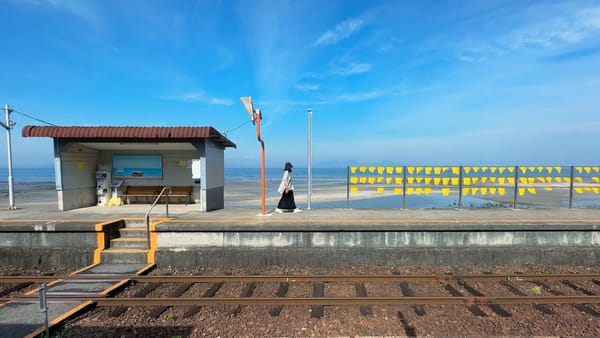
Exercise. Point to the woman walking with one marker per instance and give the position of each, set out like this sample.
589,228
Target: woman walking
286,189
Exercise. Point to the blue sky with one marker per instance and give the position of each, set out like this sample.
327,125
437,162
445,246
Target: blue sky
403,82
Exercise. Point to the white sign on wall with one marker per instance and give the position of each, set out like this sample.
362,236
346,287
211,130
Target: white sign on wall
196,169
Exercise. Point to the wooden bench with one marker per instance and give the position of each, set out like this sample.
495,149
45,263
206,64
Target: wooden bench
149,193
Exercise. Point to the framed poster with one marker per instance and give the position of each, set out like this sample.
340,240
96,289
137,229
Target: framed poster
137,166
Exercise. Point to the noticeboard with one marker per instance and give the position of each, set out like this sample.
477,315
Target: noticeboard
137,166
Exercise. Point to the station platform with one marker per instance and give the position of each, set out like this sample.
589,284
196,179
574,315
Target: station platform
42,236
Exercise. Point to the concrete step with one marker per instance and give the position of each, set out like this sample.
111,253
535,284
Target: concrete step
129,243
124,256
135,224
133,232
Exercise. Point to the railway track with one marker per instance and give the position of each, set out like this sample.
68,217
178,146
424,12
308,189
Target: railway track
415,300
404,296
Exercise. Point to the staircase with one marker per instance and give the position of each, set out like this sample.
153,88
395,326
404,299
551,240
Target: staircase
131,247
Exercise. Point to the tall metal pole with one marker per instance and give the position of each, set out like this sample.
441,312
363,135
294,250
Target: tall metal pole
309,157
262,155
8,126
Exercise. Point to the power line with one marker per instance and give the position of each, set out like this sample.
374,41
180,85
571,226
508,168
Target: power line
35,118
236,128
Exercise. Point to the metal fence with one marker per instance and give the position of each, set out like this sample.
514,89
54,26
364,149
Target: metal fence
508,185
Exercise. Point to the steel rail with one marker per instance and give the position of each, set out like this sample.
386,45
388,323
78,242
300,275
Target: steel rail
401,300
307,278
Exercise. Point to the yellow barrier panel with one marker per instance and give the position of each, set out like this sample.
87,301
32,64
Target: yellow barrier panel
467,169
410,170
511,170
493,191
549,169
353,170
531,180
501,180
493,169
399,170
454,181
540,169
428,170
484,191
419,180
380,179
419,191
579,190
532,191
380,170
493,179
410,180
437,170
502,191
444,169
372,169
549,179
437,181
446,191
541,179
466,180
532,169
511,180
484,169
389,170
548,188
363,169
388,180
371,180
363,180
427,191
398,180
558,169
475,180
427,180
596,190
353,180
380,190
409,191
579,179
588,189
476,169
597,169
596,179
523,180
419,170
474,191
567,179
465,191
501,170
558,179
397,191
521,191
445,180
484,179
455,170
579,169
353,190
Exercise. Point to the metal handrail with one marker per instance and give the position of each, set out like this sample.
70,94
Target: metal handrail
152,206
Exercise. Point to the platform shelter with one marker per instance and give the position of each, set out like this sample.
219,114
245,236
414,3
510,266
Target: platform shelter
96,165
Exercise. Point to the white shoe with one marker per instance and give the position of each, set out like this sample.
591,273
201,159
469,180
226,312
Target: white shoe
297,210
279,211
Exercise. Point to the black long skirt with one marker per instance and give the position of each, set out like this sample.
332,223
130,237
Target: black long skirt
287,201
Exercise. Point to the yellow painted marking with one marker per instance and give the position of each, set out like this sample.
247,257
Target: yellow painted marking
61,318
371,221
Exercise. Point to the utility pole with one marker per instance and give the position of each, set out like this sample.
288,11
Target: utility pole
8,126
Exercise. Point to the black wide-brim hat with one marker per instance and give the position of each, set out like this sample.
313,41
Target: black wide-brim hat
288,166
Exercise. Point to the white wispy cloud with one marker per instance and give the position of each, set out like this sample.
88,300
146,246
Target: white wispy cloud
307,86
352,68
353,97
82,9
199,96
568,27
341,31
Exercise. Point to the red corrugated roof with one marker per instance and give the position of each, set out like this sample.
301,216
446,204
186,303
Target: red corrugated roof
99,133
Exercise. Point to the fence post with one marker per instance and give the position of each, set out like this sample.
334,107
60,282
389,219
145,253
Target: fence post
571,189
460,184
516,186
404,187
348,187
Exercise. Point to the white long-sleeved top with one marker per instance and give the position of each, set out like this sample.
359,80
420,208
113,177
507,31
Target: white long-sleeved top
286,182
